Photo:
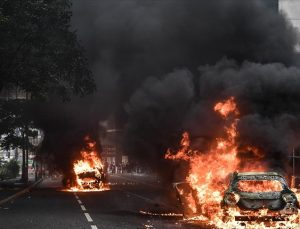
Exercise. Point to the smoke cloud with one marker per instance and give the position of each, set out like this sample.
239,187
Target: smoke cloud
128,41
267,96
160,65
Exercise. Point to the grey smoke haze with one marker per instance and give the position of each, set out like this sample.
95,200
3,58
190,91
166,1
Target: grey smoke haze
130,40
146,57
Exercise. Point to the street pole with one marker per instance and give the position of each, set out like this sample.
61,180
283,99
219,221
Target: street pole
293,161
293,176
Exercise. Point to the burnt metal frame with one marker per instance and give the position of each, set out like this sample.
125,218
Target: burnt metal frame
263,176
293,158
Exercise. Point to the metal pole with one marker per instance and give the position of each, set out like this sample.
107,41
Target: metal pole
293,161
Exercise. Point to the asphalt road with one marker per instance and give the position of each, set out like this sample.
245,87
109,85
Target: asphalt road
47,206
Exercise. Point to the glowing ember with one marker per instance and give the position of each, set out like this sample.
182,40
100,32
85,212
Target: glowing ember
209,174
171,214
89,171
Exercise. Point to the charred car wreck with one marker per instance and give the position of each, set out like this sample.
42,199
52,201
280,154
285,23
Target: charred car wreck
250,192
251,196
94,179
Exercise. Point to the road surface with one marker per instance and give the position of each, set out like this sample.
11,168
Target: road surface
47,206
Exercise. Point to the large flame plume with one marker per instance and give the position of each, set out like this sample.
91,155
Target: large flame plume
209,171
89,171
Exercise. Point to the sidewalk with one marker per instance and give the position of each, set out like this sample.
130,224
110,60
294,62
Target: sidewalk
12,186
51,182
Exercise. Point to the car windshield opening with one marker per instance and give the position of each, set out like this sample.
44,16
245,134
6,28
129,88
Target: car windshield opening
259,186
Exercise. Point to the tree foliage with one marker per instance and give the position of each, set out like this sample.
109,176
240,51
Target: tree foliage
16,129
9,170
16,125
38,51
39,55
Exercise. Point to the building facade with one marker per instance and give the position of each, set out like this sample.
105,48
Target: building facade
112,152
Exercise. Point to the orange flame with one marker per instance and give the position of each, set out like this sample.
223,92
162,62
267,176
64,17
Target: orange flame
89,171
227,107
183,152
209,171
259,186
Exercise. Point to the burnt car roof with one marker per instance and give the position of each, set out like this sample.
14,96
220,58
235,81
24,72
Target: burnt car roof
258,174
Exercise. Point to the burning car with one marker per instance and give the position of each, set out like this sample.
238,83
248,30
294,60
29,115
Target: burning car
94,179
264,193
89,171
257,197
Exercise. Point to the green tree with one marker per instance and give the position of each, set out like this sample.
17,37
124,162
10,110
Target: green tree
9,170
13,168
16,127
39,53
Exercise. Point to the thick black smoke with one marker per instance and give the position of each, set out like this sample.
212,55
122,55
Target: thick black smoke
267,95
130,40
65,127
145,56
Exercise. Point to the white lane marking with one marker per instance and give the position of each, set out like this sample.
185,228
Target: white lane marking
88,217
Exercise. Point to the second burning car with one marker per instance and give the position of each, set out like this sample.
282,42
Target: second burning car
250,192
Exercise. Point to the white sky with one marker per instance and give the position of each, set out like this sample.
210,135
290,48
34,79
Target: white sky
292,10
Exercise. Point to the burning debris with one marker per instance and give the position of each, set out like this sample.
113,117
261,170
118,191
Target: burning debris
89,171
209,173
171,214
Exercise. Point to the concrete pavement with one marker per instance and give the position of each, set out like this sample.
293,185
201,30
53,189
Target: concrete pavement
48,206
11,187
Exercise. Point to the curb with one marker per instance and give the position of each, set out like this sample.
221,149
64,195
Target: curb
20,192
